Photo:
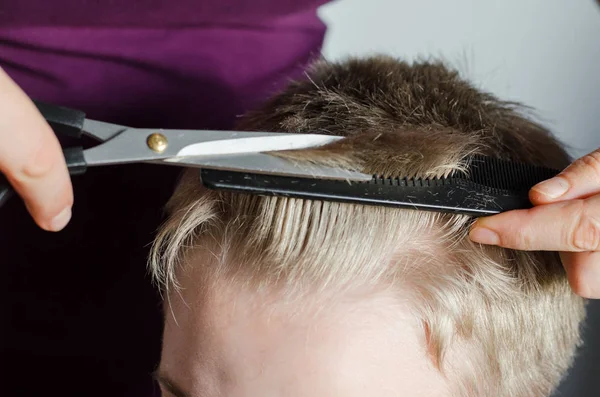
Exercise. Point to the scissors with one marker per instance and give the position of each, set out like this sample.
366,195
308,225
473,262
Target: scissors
237,151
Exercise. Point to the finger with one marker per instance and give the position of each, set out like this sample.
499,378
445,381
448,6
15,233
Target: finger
579,180
31,158
583,272
572,225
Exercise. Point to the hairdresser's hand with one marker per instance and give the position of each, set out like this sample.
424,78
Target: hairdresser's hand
31,158
566,218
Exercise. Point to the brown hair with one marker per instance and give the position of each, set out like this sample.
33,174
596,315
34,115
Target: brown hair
499,322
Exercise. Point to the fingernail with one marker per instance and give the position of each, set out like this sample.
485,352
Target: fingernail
484,236
553,188
61,220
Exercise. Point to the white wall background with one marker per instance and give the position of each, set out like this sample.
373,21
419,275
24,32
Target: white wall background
544,53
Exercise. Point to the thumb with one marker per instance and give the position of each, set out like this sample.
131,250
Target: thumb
579,180
572,225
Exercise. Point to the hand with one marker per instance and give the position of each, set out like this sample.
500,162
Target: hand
565,218
31,158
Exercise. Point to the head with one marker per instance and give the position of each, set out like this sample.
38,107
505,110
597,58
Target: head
273,296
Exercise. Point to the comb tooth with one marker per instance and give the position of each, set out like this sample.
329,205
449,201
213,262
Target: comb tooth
507,178
506,175
520,177
480,169
474,169
496,174
487,168
512,173
493,170
522,174
499,171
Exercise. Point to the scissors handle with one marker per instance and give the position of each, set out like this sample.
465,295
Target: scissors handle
65,122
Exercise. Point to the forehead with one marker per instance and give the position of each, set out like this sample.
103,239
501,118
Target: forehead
233,341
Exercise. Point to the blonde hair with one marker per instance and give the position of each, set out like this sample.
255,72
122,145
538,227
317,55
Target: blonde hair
498,322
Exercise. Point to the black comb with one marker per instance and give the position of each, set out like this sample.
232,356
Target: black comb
489,186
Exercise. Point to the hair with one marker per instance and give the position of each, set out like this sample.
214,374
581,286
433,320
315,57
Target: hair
498,322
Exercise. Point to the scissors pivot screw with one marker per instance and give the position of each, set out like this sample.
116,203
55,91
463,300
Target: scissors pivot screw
157,142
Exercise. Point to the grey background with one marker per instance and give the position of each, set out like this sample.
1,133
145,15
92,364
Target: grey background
544,53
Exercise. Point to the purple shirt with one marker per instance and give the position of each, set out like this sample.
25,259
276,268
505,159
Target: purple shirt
80,316
178,63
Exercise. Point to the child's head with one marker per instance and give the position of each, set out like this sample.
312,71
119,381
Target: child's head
274,296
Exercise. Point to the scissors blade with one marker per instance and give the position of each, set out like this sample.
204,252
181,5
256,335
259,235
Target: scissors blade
263,163
132,145
101,130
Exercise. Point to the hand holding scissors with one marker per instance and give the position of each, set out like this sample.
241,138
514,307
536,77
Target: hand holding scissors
32,177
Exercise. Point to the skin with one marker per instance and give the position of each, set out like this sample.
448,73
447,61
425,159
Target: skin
31,158
565,218
239,343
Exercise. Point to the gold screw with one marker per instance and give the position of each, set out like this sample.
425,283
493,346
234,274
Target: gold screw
157,142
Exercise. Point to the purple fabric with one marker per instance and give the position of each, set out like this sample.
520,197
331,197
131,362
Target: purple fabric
204,74
80,316
147,13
